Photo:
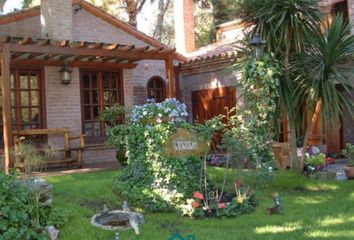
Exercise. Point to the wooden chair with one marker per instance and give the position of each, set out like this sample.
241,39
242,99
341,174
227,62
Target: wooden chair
68,139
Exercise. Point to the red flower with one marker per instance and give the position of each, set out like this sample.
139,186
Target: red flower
238,183
198,195
195,204
222,205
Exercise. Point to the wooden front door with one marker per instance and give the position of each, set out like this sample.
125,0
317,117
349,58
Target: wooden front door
209,103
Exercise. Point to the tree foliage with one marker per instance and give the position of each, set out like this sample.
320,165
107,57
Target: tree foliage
285,25
323,75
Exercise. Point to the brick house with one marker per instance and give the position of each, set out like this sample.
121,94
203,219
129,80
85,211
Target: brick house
209,89
111,62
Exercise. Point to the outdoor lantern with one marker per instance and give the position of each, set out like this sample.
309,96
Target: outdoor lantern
65,75
257,45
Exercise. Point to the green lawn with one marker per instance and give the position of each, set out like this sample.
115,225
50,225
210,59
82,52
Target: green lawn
314,210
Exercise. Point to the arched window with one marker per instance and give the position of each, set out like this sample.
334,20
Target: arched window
156,89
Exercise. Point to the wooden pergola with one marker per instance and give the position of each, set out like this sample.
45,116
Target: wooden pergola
18,51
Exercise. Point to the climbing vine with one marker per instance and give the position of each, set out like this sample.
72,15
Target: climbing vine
254,121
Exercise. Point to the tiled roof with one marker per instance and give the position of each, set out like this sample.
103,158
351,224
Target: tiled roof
213,51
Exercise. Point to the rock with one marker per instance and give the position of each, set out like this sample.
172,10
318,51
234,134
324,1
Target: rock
41,187
53,232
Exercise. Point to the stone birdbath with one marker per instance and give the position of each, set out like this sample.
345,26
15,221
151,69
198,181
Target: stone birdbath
118,220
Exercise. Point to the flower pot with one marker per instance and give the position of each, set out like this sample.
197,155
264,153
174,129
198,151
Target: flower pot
349,171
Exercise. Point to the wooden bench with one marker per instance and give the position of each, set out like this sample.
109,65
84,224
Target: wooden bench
68,139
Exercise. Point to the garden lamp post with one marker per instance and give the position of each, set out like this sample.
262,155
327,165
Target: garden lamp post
257,46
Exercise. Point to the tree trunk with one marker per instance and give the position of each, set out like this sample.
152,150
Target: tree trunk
294,161
163,7
310,123
2,4
292,122
133,8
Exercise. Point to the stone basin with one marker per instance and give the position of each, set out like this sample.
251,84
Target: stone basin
116,220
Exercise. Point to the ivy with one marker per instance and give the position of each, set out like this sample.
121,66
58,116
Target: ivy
254,122
152,180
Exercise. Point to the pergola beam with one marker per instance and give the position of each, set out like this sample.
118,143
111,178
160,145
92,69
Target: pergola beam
5,58
137,53
79,64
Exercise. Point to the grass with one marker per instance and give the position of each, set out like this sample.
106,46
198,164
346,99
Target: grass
313,210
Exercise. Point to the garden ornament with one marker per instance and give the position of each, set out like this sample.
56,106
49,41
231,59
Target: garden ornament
134,218
52,231
117,236
118,220
278,207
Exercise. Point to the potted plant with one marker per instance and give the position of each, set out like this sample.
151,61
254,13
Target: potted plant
348,152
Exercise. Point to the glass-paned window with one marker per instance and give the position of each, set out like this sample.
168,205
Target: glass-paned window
26,100
100,90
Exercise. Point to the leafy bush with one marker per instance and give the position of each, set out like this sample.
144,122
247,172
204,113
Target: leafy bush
348,152
19,218
152,180
114,116
316,160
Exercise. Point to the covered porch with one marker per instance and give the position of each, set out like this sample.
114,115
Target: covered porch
17,53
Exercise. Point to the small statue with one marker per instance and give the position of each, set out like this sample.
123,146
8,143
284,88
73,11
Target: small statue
125,207
278,208
133,221
134,218
105,209
117,236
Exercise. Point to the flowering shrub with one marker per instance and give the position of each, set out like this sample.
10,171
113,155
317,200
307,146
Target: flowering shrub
152,180
225,205
152,112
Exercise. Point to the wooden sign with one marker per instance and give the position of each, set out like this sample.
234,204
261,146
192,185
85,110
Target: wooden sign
185,143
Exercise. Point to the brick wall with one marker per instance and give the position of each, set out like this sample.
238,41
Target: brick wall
184,26
62,102
30,27
57,19
140,94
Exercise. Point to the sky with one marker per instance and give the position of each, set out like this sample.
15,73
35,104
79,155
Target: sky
144,24
12,4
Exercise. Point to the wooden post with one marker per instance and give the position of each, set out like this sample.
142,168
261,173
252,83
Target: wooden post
171,77
6,103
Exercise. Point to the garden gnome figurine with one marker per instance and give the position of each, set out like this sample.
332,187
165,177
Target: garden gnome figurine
278,204
278,208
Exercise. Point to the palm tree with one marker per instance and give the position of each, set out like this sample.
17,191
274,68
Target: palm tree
323,75
285,25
